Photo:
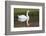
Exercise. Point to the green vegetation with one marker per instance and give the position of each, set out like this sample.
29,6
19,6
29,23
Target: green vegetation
22,11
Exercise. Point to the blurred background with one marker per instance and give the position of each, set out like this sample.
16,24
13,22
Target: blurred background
33,14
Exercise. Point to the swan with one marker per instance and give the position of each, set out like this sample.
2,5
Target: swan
23,18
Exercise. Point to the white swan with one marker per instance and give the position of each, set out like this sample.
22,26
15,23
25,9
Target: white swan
23,18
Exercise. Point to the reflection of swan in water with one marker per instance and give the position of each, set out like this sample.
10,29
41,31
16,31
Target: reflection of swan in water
23,18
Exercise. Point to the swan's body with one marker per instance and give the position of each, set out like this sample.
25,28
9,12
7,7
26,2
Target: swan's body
23,18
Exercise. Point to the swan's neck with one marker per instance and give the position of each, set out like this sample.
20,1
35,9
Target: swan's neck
27,13
27,17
